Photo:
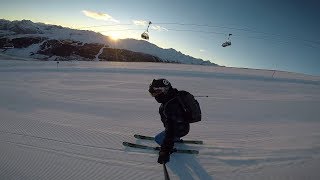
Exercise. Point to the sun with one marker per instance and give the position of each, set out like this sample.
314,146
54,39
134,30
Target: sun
114,37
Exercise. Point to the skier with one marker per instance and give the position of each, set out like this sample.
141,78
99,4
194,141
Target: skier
172,117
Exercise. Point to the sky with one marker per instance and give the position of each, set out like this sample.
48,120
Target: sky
266,34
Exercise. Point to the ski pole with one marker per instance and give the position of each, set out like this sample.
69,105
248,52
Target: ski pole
166,175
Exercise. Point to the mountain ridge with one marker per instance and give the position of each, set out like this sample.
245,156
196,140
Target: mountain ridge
29,35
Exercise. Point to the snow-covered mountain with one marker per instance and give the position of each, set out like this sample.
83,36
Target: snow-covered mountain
51,42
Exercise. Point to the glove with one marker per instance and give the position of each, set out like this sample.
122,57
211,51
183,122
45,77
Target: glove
164,157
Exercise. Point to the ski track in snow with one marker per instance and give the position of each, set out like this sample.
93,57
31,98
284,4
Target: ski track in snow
70,122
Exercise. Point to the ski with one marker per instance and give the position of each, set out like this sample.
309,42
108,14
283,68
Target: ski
138,136
185,151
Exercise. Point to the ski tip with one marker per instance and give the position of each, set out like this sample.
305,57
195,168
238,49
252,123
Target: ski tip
127,144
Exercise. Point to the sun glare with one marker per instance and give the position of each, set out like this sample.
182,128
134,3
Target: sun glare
114,36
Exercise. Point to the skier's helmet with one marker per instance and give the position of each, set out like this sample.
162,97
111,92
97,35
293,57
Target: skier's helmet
159,87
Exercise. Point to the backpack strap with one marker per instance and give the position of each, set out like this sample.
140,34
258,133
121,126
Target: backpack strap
182,104
165,107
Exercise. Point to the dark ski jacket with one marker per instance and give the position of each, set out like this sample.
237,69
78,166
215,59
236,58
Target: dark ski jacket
172,117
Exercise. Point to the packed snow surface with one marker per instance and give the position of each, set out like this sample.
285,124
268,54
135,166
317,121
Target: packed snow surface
68,120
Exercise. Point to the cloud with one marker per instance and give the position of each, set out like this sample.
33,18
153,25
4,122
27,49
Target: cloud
140,22
99,16
202,50
146,23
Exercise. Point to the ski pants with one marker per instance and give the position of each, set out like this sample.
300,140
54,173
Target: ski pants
160,137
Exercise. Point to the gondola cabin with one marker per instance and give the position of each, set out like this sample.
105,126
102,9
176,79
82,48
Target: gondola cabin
228,42
225,44
145,36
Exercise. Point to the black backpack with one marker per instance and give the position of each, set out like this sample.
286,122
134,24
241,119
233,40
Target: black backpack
190,106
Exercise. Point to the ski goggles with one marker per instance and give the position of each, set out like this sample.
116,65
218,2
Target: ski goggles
156,91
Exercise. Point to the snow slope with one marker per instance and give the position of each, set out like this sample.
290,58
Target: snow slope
68,121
